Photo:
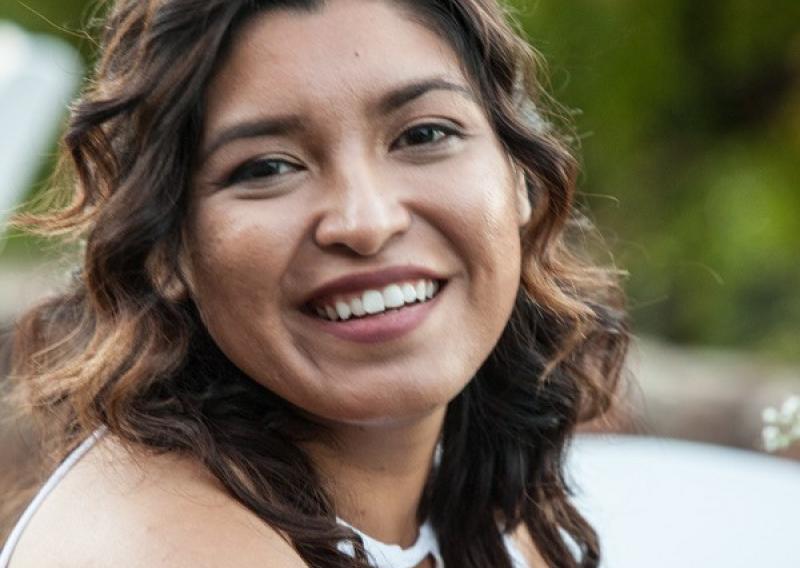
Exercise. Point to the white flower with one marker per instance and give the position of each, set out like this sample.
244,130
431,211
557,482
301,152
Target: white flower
771,436
781,428
769,415
791,406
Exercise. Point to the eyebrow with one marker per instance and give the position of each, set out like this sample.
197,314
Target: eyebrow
290,124
401,96
257,128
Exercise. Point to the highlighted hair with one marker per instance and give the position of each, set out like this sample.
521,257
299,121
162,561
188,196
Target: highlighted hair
124,346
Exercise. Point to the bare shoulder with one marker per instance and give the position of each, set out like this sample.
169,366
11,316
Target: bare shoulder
528,548
116,508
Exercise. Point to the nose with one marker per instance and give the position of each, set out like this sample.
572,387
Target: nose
360,212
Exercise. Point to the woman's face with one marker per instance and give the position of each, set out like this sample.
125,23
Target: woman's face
346,169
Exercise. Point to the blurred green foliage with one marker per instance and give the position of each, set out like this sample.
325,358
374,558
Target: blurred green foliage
688,114
690,120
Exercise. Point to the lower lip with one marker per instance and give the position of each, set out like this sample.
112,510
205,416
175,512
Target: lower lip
389,325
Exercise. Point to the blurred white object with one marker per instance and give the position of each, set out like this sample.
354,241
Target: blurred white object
661,503
38,75
781,427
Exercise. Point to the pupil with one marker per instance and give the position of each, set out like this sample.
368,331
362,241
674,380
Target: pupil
265,168
422,135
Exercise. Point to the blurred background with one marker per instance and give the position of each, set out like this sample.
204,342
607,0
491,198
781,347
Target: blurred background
688,117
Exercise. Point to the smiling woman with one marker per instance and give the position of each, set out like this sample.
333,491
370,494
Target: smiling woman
332,185
328,299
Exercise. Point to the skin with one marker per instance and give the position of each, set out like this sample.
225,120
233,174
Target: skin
355,194
197,523
353,187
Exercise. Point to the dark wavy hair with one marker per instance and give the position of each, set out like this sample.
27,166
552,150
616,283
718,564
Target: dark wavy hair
123,346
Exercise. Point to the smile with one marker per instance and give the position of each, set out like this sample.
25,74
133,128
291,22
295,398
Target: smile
372,302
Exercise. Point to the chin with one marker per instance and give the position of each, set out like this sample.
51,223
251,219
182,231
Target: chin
384,404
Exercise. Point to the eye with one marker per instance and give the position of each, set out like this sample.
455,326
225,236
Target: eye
261,169
425,134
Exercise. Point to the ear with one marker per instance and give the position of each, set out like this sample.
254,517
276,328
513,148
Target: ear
523,200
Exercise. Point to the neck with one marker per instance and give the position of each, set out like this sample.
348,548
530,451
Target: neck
376,474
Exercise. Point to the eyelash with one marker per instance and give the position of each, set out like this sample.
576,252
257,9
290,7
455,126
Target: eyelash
244,172
447,133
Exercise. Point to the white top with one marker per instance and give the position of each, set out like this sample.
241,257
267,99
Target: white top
382,555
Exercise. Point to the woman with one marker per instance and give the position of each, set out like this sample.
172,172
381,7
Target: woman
329,313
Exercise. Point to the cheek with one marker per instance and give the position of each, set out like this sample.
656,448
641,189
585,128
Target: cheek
238,251
234,258
475,204
473,200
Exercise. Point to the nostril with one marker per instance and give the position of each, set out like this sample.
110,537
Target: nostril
364,228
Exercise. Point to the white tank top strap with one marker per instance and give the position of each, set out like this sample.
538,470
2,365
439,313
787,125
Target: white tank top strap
383,555
51,483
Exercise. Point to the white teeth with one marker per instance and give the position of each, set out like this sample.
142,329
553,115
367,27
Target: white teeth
409,294
357,307
343,311
331,312
393,296
373,302
420,289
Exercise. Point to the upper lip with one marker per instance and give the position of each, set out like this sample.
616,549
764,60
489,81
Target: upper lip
371,280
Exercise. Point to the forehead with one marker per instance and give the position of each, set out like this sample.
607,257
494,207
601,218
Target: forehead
346,52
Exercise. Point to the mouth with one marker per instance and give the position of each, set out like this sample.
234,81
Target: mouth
373,303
